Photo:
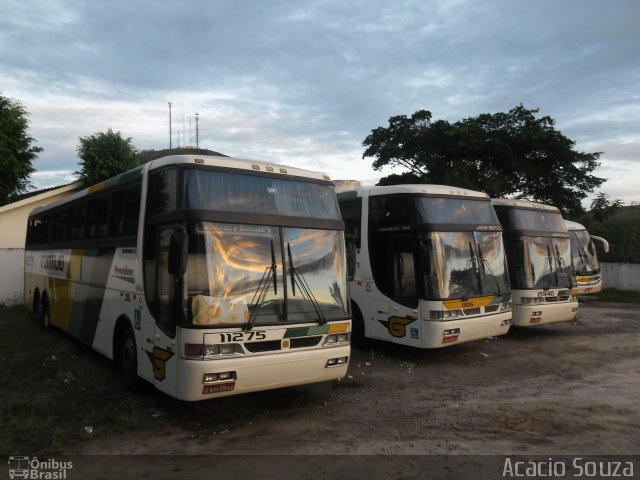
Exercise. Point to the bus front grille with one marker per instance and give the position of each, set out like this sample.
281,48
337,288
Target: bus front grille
276,345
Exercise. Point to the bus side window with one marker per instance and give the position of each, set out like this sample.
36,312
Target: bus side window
97,217
132,211
77,222
162,192
351,212
125,208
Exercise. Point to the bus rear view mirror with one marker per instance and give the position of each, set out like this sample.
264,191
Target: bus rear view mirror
178,251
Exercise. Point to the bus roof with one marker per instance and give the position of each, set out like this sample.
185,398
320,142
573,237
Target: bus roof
425,189
209,160
524,204
574,225
237,163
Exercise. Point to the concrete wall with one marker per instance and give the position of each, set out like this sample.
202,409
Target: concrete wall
621,276
12,277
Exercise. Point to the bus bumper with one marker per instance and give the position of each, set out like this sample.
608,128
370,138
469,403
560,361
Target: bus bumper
586,288
533,315
259,372
451,332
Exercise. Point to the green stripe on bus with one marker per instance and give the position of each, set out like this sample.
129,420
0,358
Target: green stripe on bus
306,331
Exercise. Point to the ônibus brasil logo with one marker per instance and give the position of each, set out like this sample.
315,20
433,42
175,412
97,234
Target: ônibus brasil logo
32,468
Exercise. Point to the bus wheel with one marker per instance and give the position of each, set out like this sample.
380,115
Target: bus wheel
43,314
357,327
128,357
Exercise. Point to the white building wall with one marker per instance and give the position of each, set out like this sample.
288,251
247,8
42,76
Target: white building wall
12,278
621,276
13,230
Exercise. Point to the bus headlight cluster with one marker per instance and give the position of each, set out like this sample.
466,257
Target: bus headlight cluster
505,307
201,351
218,377
532,300
336,339
445,314
337,362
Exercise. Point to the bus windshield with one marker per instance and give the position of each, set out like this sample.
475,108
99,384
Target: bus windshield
464,264
585,260
456,211
243,193
265,275
547,263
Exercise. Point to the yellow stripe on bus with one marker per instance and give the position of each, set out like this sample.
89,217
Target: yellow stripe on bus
470,303
338,327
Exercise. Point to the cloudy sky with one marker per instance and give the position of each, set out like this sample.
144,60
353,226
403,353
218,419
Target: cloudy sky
303,83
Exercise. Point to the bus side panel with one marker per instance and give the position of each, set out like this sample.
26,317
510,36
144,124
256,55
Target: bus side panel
398,324
73,283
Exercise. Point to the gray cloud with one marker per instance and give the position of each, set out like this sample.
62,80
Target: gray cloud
308,81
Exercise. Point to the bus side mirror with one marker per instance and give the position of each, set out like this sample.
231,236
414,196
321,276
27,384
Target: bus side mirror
178,251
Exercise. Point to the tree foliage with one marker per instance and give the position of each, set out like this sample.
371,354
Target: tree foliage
17,152
511,154
104,155
620,225
603,208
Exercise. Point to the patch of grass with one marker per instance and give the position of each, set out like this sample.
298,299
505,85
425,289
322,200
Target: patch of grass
52,387
613,295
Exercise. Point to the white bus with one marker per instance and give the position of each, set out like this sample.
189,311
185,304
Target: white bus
206,276
539,257
426,264
585,258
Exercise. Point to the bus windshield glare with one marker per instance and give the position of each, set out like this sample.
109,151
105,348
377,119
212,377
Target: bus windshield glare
585,260
464,264
265,275
545,263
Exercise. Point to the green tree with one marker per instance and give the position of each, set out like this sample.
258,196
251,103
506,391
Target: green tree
602,208
16,150
104,155
502,154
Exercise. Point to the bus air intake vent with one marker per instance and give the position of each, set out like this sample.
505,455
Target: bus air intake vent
269,346
305,341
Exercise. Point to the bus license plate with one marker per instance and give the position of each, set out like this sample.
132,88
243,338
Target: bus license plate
218,388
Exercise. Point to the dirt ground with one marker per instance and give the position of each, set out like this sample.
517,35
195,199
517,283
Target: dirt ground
566,389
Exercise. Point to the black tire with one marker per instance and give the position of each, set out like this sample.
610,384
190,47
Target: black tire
127,357
43,314
357,327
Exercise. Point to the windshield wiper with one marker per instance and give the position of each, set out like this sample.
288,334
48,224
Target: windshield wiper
562,266
548,261
585,259
298,279
486,267
472,264
263,288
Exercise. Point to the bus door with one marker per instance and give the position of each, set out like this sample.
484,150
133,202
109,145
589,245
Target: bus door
396,278
167,308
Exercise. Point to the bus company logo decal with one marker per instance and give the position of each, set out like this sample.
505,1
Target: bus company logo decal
123,273
397,326
159,358
52,262
33,468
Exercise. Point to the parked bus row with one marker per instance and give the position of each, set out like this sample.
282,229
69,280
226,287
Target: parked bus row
214,276
432,265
